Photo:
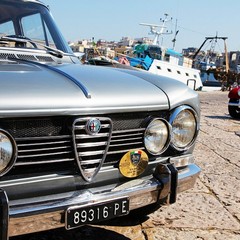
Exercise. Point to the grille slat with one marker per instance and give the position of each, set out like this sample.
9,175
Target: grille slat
127,135
129,130
43,143
85,136
40,162
43,149
123,151
43,154
91,153
127,139
54,138
92,161
87,145
124,144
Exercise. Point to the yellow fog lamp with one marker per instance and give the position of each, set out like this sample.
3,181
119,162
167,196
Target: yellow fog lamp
157,136
7,152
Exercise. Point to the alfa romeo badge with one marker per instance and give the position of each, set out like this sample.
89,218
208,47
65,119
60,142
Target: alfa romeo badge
93,126
133,163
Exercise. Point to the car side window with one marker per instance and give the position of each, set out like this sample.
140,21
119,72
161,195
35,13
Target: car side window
7,28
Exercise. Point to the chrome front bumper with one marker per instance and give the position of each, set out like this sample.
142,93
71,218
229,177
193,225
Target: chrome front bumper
39,214
234,104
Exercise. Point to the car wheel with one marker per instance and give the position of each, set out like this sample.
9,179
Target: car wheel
233,110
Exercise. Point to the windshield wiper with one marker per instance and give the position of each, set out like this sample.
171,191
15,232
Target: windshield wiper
22,39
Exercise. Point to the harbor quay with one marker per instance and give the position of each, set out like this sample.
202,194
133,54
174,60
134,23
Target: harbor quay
209,211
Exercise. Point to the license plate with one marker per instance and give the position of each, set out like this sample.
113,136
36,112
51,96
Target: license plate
76,216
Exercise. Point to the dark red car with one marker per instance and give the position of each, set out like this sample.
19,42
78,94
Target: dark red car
234,102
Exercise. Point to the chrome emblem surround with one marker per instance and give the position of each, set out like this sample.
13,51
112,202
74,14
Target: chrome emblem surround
86,129
93,126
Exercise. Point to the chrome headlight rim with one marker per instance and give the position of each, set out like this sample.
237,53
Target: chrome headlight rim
167,143
174,115
14,153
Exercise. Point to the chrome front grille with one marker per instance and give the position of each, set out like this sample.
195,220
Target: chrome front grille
123,141
55,144
91,149
5,55
43,150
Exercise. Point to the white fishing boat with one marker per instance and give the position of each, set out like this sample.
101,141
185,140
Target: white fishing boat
164,61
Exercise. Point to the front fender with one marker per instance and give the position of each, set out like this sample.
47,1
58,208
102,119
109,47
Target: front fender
233,94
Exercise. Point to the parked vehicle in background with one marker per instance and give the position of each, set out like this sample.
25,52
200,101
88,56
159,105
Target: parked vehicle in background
234,102
82,144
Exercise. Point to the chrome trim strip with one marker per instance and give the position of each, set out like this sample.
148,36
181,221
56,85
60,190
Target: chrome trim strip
84,111
44,138
43,149
125,144
44,162
43,154
81,153
127,135
85,136
127,139
122,151
92,161
91,153
87,145
130,130
43,143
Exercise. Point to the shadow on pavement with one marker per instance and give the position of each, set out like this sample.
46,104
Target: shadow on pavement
85,233
89,232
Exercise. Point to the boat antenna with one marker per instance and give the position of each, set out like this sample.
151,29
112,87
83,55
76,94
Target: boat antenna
162,30
175,35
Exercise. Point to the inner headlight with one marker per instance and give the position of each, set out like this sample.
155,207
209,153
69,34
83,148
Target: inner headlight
7,152
156,137
184,127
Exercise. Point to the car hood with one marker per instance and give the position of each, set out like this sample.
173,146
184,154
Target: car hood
29,88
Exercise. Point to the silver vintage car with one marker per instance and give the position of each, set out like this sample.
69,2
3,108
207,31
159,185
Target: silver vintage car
82,144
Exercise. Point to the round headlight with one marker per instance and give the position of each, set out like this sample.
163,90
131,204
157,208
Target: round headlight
156,137
184,127
7,152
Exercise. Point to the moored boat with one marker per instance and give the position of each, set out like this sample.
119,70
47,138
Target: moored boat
164,61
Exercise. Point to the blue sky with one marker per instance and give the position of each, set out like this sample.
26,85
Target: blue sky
111,20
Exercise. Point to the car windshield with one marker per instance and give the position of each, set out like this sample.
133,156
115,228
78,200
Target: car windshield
26,19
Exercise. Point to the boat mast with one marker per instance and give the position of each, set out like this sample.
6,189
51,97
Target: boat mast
153,28
226,55
225,49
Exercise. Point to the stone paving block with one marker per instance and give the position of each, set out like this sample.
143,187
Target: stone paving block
194,210
159,233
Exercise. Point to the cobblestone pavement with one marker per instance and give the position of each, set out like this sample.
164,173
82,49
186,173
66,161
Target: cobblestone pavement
209,211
